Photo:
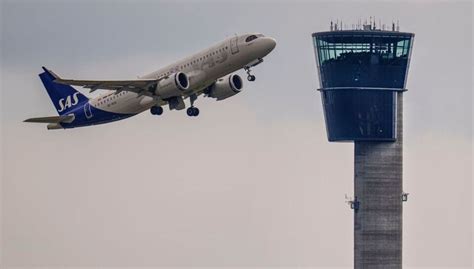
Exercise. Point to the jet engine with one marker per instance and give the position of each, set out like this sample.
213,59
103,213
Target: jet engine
173,85
225,87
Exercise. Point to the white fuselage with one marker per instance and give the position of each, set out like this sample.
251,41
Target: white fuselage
202,69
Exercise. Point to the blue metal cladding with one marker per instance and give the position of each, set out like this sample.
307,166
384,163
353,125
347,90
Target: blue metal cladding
360,114
360,73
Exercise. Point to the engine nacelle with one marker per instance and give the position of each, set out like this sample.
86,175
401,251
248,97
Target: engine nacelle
196,78
226,87
173,85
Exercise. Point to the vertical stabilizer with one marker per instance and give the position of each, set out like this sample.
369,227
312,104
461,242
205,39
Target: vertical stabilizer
64,97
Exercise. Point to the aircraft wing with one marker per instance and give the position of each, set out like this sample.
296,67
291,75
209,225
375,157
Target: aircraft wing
136,85
52,119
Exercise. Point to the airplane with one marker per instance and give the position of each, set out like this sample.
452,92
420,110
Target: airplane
208,72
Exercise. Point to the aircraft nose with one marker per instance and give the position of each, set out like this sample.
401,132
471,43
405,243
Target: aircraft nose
271,43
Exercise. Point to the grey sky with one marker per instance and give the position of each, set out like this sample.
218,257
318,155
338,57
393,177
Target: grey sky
252,181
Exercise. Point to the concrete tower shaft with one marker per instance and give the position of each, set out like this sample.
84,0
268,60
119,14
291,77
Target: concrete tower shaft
378,188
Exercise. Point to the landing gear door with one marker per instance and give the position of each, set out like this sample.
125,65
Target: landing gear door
87,110
233,45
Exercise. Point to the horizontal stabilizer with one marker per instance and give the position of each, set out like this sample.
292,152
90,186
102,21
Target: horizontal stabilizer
53,119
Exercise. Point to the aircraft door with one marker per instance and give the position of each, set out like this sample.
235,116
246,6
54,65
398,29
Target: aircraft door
233,45
87,110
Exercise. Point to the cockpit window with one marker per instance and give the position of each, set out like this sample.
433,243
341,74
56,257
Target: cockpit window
250,38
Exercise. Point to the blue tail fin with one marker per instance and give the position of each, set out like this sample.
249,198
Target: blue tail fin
64,97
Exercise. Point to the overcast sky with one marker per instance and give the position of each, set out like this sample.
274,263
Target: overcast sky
252,181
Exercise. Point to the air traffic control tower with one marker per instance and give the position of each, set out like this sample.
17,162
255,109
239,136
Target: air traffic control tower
362,74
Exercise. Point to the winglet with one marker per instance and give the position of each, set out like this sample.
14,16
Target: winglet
54,75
